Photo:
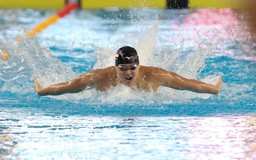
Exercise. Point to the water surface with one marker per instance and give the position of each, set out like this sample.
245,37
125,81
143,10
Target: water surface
123,123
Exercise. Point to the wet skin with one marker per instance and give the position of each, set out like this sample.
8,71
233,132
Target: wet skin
127,73
137,77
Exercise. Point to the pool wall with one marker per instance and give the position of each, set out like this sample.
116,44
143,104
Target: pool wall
98,4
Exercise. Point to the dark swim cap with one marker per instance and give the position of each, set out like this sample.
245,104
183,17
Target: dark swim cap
126,55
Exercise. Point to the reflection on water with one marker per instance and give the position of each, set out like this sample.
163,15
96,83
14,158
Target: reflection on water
235,135
46,137
7,145
250,140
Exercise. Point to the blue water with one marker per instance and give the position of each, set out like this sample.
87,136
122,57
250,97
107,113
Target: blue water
122,123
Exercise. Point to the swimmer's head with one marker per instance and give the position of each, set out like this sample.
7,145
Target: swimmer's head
127,55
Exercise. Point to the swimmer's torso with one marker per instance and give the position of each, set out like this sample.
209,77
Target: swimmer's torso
145,79
103,79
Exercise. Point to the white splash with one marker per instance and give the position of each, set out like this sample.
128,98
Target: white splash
166,58
29,60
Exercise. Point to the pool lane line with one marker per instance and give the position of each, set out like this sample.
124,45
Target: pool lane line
41,26
50,20
4,55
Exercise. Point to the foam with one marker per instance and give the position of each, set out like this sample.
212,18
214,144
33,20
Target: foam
29,60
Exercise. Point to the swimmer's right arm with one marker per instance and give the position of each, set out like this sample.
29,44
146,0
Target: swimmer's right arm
76,85
91,79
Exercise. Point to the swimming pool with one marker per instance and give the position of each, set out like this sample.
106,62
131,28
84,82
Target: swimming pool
123,123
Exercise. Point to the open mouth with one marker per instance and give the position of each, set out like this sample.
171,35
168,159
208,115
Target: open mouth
128,78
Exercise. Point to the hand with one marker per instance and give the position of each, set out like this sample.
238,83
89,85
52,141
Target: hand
219,84
38,86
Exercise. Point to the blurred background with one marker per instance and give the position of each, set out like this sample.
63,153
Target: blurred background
245,7
97,4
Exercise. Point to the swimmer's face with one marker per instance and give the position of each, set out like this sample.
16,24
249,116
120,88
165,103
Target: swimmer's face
127,73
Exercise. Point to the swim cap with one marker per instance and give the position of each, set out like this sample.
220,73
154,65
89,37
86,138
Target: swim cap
126,55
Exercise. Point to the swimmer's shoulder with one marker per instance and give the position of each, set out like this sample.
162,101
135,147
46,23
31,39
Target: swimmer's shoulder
109,72
106,70
154,73
149,70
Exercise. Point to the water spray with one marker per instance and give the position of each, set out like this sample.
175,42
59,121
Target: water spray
70,6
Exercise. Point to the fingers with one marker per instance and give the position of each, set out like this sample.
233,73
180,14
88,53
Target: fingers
37,85
219,83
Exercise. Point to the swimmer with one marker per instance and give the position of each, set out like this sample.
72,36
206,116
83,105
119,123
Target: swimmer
129,72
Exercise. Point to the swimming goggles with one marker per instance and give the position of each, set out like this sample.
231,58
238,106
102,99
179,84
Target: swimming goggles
125,68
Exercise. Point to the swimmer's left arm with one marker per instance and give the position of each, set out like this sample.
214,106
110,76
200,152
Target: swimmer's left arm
175,81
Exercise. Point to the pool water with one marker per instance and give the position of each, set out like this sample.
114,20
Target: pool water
123,123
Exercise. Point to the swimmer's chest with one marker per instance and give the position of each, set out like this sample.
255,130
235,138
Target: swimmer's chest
146,84
104,85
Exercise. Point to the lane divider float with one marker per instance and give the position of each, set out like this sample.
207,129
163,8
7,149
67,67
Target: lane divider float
50,20
44,24
4,55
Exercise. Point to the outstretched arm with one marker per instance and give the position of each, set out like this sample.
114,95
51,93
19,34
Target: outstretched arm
76,85
175,81
100,79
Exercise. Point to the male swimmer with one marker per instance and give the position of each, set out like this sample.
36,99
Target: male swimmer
127,71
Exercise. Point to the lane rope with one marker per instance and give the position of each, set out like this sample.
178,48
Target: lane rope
44,24
50,20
